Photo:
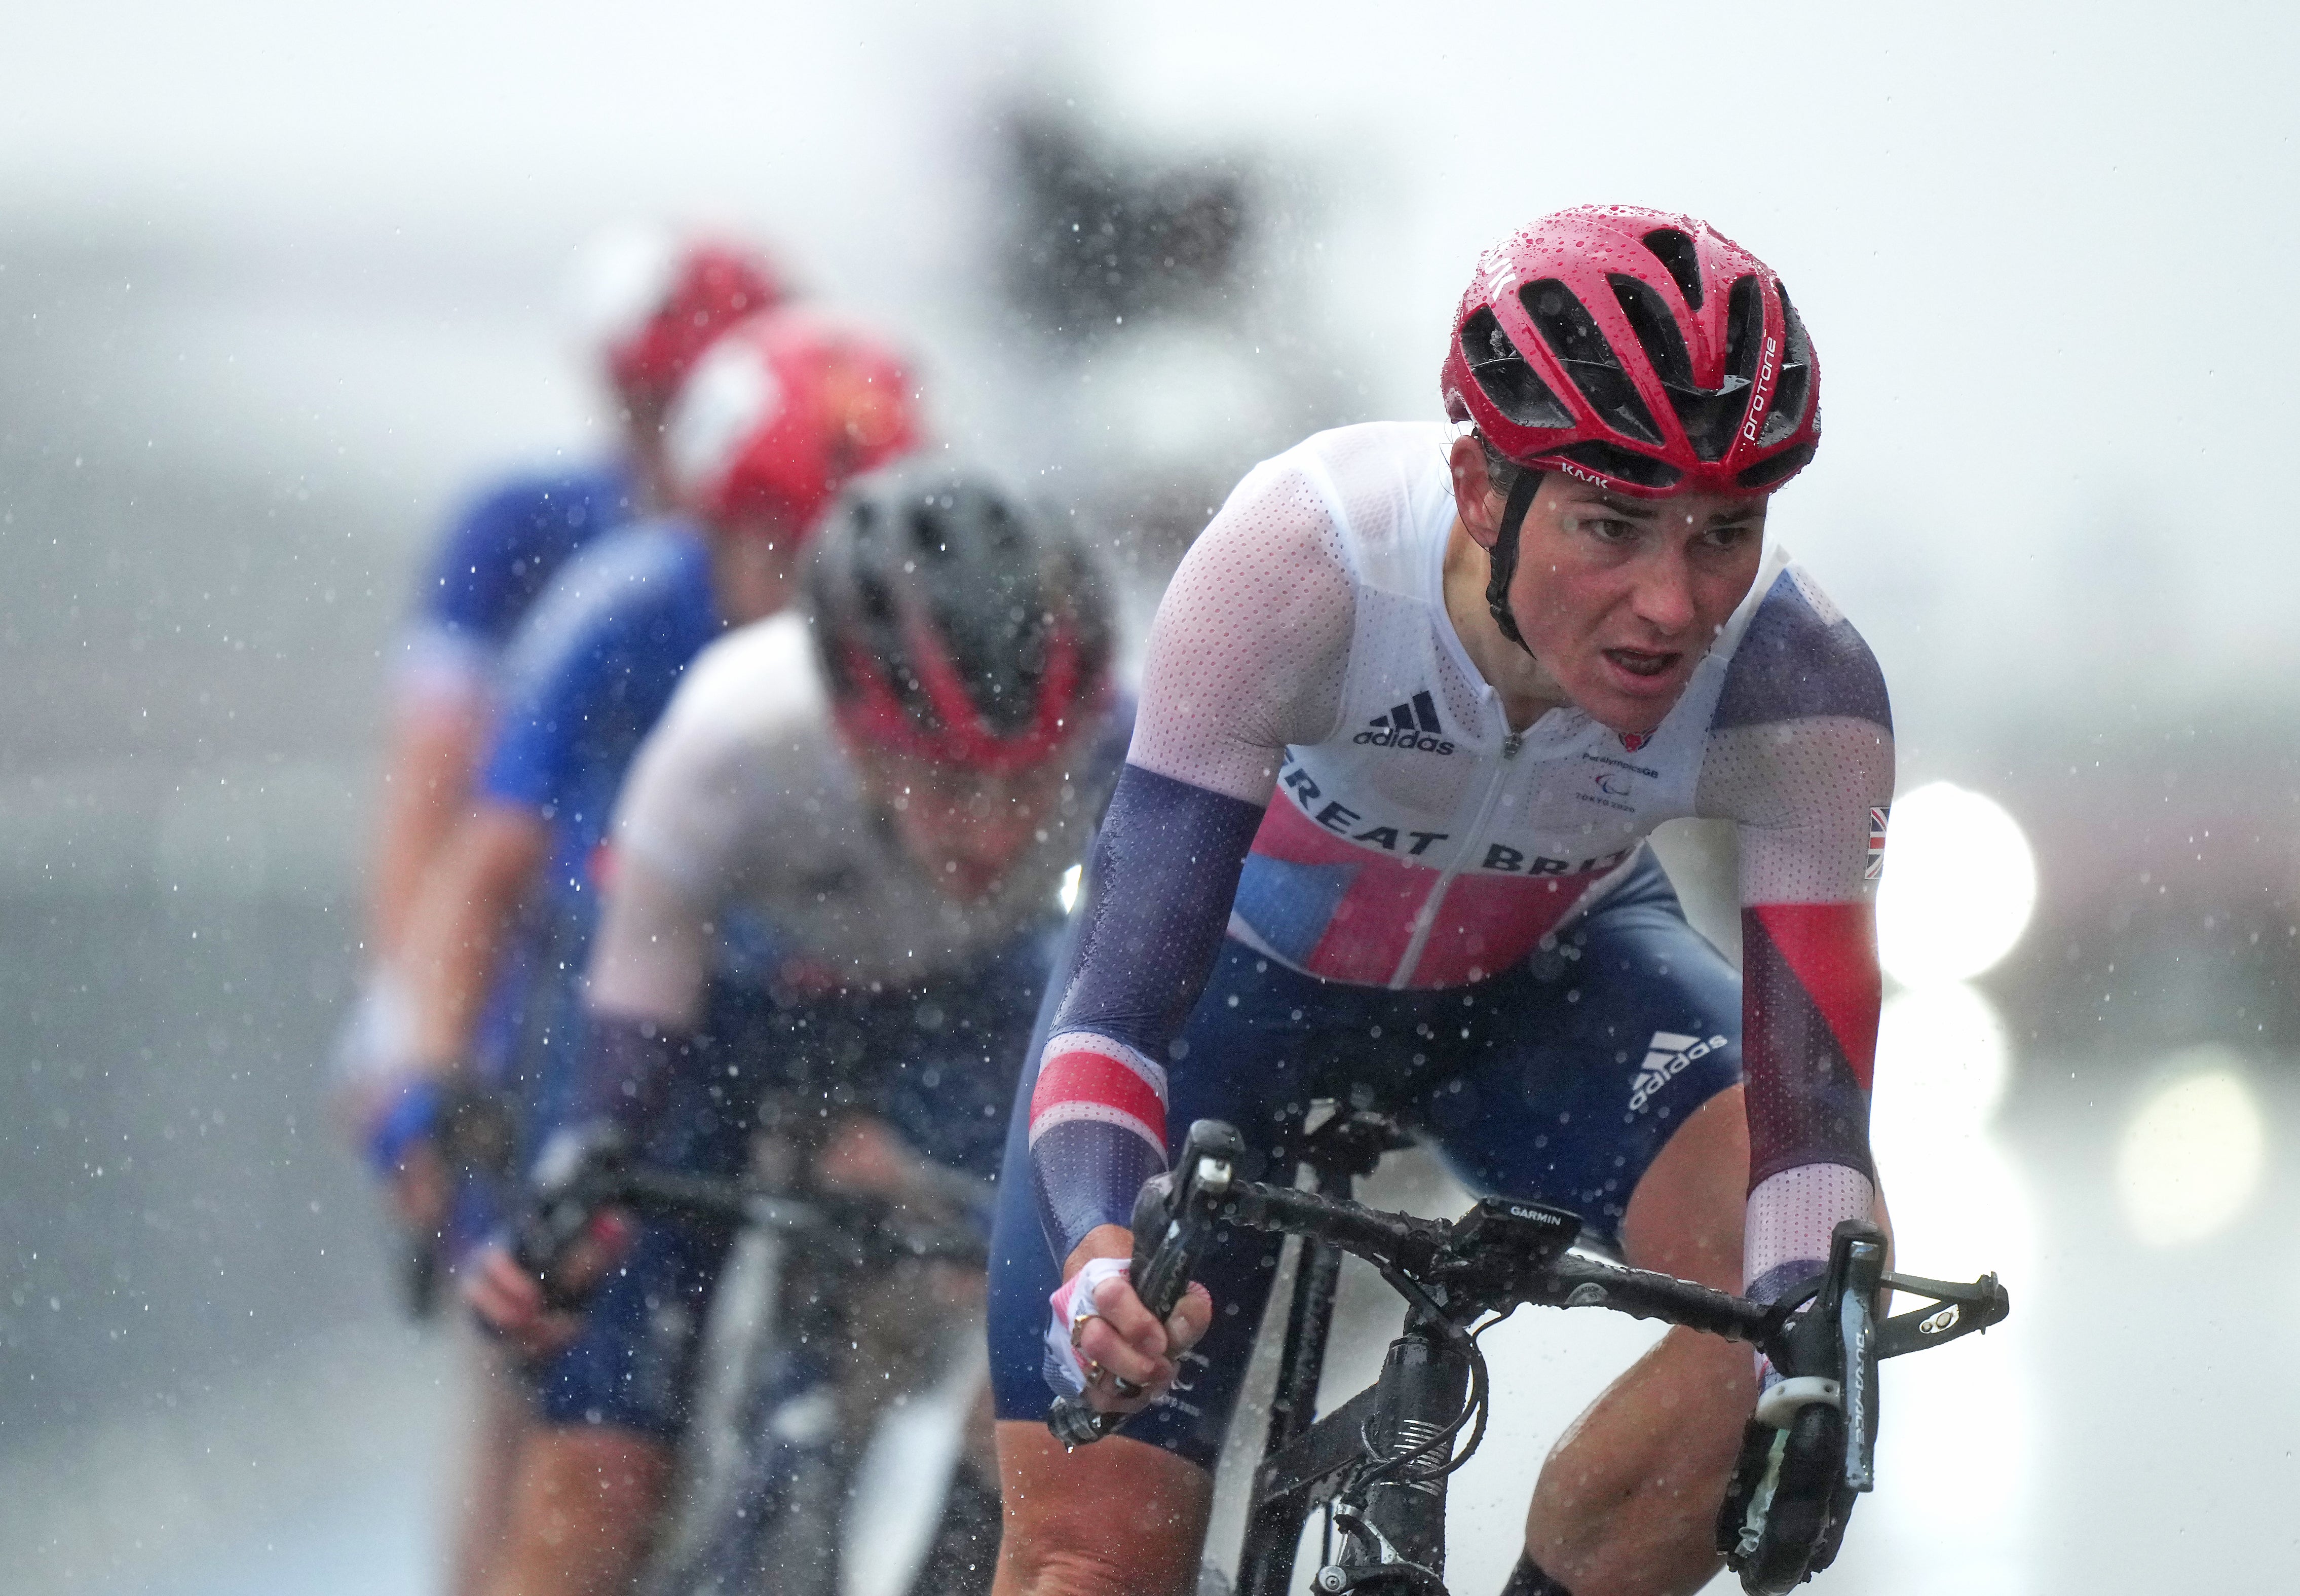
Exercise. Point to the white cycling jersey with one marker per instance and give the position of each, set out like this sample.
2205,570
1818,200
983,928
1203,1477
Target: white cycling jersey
745,807
1413,840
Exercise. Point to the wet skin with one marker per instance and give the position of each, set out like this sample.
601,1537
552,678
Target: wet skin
1618,597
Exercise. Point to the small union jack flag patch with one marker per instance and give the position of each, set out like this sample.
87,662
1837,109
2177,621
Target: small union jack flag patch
1876,844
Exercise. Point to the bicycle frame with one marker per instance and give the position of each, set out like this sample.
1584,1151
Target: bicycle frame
1345,1147
832,1244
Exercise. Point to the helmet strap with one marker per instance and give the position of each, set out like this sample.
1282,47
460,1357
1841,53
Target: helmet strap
1501,560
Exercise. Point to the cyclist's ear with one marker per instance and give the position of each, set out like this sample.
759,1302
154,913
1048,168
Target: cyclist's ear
1476,500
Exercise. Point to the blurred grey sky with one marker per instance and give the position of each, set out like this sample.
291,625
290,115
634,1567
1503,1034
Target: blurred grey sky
2041,246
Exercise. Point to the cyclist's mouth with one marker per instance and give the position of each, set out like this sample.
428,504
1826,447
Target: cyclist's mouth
1643,663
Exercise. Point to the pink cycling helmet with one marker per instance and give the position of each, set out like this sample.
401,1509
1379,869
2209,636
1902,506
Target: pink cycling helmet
1642,351
780,413
671,298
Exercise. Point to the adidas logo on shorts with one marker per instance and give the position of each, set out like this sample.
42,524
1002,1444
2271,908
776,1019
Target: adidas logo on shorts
1412,726
1665,1056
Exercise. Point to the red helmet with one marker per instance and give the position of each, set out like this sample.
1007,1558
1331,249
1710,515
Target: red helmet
656,302
1637,349
781,412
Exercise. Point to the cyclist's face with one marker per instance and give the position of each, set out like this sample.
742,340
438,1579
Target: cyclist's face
753,568
1621,597
964,829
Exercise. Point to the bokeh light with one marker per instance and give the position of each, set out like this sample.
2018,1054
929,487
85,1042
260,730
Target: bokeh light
1959,887
2191,1157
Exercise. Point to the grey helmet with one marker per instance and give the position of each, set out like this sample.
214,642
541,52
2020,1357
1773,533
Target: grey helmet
956,620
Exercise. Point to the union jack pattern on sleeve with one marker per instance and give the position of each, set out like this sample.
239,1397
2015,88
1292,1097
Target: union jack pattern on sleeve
1155,900
1801,755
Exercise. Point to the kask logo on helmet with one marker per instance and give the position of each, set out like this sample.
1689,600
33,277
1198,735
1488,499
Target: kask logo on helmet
1501,276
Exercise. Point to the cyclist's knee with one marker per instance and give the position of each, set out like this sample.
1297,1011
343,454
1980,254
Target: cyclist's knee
1628,1500
584,1503
1031,1568
1119,1518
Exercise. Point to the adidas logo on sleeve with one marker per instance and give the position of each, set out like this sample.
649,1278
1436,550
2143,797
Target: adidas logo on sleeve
1412,726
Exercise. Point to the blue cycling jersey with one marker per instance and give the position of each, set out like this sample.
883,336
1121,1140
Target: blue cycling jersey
587,675
584,680
500,552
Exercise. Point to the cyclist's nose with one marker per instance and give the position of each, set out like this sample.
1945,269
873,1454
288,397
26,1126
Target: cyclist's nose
1662,596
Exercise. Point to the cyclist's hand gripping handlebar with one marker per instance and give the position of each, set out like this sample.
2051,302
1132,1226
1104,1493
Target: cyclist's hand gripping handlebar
1171,1217
471,1136
579,1174
1812,1447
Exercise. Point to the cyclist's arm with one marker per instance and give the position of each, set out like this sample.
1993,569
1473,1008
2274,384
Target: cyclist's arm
436,739
651,955
1245,656
457,937
1800,755
465,606
561,670
684,824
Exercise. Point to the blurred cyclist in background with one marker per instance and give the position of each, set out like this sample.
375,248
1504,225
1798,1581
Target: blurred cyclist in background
833,909
650,306
783,409
647,303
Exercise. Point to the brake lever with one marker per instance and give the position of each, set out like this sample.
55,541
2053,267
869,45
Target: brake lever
1951,1311
577,1175
1172,1215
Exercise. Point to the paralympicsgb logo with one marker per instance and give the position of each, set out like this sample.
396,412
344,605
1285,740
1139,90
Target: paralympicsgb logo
1666,1057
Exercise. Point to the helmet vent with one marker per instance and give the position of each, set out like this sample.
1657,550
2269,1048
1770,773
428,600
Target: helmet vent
1745,327
1571,333
1674,250
1656,329
1795,385
1779,467
1515,388
1709,415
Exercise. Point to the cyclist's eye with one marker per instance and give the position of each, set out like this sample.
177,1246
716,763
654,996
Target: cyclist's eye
1731,536
1607,529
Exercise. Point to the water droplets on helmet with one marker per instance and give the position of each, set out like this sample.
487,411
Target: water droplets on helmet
1642,349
